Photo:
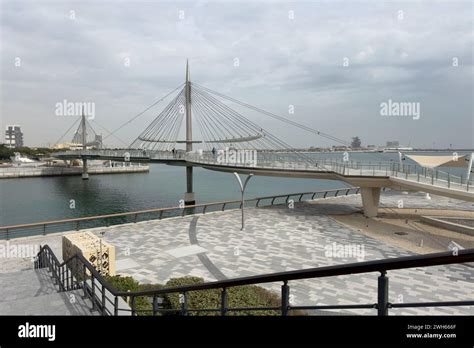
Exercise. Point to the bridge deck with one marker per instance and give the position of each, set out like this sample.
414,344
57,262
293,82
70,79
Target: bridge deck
378,174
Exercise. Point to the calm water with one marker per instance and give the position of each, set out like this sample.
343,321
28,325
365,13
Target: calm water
48,198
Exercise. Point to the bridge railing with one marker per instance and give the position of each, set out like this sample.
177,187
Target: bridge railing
257,159
290,161
124,154
48,227
97,153
412,172
294,161
78,273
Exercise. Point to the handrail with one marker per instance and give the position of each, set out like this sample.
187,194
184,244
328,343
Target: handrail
83,260
381,169
382,266
285,160
167,209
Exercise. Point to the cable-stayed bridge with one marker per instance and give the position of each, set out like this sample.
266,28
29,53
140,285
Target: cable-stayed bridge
230,142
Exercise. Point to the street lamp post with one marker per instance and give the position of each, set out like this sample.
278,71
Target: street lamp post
100,252
242,191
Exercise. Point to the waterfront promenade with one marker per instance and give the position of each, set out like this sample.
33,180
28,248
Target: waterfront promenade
281,238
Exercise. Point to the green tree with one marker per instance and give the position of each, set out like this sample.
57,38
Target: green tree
5,152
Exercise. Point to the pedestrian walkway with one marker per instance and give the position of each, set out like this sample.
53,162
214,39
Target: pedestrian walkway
281,238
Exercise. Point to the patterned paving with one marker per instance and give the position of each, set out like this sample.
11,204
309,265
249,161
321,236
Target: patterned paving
278,239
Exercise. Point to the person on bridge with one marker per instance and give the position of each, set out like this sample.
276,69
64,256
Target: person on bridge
213,151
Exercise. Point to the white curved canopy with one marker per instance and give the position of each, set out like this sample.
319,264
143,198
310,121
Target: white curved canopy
440,161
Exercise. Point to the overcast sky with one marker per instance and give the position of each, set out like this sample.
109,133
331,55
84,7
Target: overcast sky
335,61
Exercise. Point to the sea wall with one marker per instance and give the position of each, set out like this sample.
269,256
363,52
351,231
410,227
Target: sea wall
27,172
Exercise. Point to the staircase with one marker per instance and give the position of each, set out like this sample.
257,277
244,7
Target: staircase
33,292
72,287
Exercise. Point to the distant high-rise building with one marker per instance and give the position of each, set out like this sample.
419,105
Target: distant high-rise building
13,136
98,141
356,143
393,143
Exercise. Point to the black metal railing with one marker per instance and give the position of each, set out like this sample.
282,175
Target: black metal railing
47,227
77,273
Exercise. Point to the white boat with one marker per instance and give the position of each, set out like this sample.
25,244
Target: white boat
19,160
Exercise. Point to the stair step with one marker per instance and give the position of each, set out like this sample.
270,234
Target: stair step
61,303
33,292
26,284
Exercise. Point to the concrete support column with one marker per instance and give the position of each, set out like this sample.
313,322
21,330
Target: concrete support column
85,173
370,200
189,194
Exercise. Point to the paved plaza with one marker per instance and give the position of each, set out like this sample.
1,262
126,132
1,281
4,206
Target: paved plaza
280,238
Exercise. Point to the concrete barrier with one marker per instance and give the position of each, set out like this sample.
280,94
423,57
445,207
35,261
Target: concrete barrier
444,222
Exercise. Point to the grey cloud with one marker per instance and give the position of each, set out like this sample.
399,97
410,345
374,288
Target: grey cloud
282,62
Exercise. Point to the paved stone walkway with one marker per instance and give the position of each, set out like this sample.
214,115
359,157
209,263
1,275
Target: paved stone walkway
281,239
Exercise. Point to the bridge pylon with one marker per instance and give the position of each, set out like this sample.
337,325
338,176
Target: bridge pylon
85,173
189,198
